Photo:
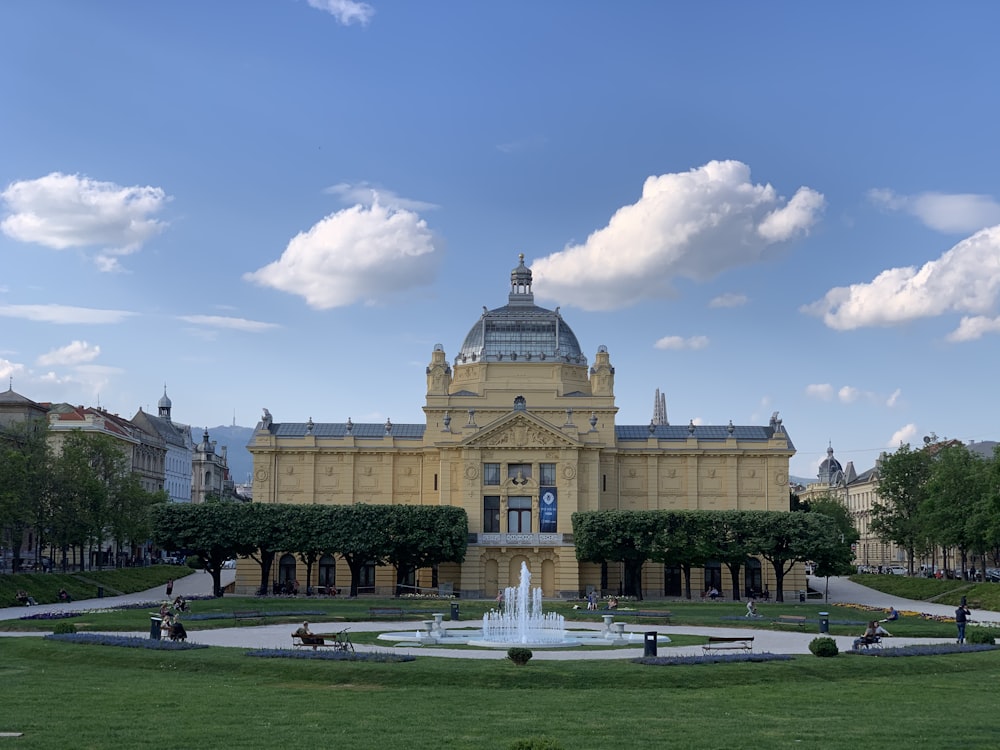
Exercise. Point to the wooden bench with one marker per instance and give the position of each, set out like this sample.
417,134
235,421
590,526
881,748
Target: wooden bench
728,643
248,614
790,620
337,641
385,612
642,615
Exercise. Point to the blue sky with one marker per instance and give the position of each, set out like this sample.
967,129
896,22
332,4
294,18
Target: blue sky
756,207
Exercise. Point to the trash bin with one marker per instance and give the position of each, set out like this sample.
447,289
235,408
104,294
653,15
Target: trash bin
802,596
454,611
824,622
154,627
649,644
100,592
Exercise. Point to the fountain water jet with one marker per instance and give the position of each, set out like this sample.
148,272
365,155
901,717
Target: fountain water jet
521,621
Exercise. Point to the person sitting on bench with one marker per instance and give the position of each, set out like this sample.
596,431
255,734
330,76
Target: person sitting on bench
307,636
868,637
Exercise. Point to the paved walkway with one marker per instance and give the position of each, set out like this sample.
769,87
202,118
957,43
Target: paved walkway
841,591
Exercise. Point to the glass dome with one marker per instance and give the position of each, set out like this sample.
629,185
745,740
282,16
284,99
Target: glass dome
520,330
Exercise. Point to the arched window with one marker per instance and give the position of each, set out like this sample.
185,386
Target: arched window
286,569
327,572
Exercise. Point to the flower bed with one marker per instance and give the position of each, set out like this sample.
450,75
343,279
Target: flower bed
934,649
123,641
286,653
670,661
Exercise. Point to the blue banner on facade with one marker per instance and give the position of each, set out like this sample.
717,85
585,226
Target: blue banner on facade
547,510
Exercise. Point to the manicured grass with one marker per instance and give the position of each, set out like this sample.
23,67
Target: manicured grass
979,595
97,697
44,587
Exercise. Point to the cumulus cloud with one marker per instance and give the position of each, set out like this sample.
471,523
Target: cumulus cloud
10,369
974,327
345,11
848,394
679,342
729,299
902,435
820,390
62,211
694,224
965,279
235,324
358,254
64,314
75,353
958,213
366,194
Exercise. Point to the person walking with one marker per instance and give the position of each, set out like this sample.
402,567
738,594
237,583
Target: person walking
962,617
170,587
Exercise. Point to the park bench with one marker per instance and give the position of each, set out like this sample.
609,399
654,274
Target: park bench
868,642
645,615
790,620
728,643
247,614
337,641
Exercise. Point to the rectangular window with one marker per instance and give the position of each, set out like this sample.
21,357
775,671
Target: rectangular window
491,514
491,474
519,471
435,482
604,482
519,515
547,475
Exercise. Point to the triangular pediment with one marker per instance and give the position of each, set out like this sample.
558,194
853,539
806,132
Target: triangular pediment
519,429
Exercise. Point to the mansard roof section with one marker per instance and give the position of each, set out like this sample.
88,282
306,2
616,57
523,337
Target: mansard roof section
520,429
171,432
357,430
743,433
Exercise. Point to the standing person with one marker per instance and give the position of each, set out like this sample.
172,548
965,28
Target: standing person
962,616
752,609
165,624
170,587
499,598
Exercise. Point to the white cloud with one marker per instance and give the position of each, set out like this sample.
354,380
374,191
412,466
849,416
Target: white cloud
893,399
965,279
902,435
848,394
694,224
974,327
367,195
61,211
820,390
10,369
74,353
64,314
355,255
679,342
958,213
729,299
236,324
345,11
530,143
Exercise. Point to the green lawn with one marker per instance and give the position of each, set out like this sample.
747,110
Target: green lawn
69,695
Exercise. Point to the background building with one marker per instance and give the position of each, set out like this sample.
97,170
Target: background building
521,433
179,444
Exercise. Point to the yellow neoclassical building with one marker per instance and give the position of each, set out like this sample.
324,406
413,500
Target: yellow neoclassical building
520,431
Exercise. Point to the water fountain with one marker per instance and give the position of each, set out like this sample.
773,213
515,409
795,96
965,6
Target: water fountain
520,620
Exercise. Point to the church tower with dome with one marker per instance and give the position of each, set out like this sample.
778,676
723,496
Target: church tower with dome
521,432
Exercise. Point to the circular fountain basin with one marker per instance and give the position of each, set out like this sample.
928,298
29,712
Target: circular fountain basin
472,637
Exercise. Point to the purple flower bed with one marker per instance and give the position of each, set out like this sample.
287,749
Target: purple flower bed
97,639
51,615
229,615
935,649
670,661
286,653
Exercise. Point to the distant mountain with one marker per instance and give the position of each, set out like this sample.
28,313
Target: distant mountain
235,439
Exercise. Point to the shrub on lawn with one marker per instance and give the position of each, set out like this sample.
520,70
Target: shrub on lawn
535,743
519,656
982,635
62,628
824,647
